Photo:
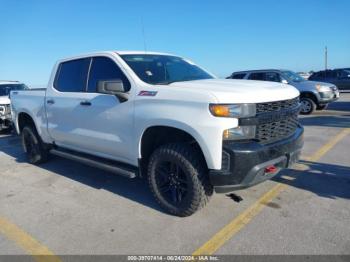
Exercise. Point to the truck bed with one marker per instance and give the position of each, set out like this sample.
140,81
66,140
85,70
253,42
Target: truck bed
29,101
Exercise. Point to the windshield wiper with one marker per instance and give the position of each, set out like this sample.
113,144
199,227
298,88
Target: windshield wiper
164,83
170,82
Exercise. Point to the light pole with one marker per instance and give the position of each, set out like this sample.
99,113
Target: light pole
326,58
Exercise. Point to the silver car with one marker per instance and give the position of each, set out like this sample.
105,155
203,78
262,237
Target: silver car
313,95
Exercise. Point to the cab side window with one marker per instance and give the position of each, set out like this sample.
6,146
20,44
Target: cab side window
257,76
71,76
238,76
272,76
104,69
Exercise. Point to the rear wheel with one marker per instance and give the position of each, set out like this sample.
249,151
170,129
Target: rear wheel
307,106
34,148
178,179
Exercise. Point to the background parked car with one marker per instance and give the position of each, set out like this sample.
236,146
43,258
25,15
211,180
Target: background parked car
5,103
339,77
313,95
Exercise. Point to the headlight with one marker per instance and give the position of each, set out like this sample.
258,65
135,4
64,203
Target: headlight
8,108
233,110
239,133
321,88
2,110
5,109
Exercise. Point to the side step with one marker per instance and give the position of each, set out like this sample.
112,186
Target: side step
108,165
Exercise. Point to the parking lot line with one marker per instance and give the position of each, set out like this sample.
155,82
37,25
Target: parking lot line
328,146
39,252
227,232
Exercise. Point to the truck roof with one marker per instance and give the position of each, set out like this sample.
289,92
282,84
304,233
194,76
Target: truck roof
141,53
259,70
113,52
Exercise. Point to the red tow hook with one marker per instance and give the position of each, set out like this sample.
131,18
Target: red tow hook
271,170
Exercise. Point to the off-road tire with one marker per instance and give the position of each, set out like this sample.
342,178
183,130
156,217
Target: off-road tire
192,167
36,151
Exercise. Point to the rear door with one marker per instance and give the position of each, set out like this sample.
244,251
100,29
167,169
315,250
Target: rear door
64,103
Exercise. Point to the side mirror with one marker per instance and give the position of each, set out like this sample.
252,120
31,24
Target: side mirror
284,81
113,87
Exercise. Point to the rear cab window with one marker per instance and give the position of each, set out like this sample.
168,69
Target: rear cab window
72,75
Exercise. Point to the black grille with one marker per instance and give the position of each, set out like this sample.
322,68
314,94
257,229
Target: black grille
279,125
274,131
276,106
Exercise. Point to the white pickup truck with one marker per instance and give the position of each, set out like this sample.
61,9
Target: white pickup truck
5,103
159,116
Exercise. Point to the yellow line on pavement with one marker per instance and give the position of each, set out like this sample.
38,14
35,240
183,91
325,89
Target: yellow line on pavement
40,252
324,149
220,238
226,233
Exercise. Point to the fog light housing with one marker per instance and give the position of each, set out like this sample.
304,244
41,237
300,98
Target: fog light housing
240,133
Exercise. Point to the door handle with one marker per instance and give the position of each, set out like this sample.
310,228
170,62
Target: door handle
50,101
85,103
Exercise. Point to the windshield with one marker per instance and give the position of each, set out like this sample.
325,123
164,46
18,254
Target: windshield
6,88
163,69
292,77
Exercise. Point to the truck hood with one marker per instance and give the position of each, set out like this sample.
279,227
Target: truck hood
4,100
309,85
241,91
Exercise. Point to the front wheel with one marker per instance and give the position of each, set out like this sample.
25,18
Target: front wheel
178,179
33,146
307,106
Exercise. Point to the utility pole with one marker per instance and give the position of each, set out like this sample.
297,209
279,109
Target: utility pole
326,58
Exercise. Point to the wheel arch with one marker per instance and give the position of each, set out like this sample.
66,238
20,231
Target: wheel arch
157,135
311,95
23,119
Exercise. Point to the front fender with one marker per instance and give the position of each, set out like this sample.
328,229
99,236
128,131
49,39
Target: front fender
209,138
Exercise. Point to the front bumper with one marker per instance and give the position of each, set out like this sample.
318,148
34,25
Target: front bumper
244,163
5,121
328,97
